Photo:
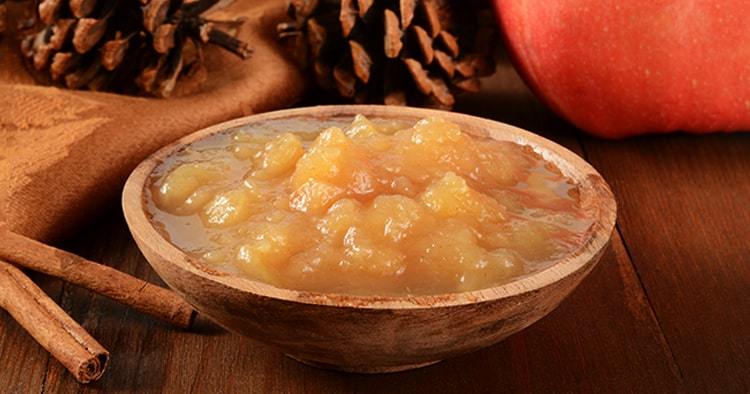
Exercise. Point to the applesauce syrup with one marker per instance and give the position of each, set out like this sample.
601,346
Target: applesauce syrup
381,208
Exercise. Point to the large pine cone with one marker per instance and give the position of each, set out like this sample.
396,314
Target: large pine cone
134,46
416,52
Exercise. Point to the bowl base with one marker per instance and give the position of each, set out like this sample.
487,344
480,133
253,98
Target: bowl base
362,369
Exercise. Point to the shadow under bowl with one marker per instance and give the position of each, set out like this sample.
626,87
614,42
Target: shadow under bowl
374,334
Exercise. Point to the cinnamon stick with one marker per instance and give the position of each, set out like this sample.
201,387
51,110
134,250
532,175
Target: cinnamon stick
67,341
119,286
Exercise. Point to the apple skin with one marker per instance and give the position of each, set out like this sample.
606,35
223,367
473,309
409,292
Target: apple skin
619,68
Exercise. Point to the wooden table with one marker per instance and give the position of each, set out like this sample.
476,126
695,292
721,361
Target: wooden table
667,308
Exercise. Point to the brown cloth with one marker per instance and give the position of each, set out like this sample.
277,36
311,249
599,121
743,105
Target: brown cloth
65,154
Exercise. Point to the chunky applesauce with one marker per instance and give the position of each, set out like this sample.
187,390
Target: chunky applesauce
369,208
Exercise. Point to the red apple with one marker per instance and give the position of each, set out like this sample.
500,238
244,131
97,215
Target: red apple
618,68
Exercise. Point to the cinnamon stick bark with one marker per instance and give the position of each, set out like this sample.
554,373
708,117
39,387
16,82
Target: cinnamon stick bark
119,286
67,341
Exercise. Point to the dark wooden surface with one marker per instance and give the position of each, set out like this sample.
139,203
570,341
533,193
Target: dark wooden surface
666,310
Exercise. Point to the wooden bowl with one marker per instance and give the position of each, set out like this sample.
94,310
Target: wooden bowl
374,333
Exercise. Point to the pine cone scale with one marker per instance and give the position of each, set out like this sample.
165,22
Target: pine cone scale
61,63
61,32
449,43
49,10
433,22
362,61
405,52
445,63
164,38
393,34
113,53
345,82
364,7
84,43
419,75
348,17
425,44
407,8
87,33
155,14
82,8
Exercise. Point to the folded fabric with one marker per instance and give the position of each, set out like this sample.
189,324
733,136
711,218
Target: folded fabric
64,154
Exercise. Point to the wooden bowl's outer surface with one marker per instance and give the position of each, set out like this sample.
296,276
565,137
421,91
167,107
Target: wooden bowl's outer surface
374,333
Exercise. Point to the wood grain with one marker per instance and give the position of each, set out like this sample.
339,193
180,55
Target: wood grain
16,344
51,326
686,218
571,349
607,336
375,334
128,290
604,336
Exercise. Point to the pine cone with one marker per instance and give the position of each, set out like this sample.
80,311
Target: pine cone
416,52
135,47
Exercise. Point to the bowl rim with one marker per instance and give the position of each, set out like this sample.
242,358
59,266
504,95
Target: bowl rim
595,193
